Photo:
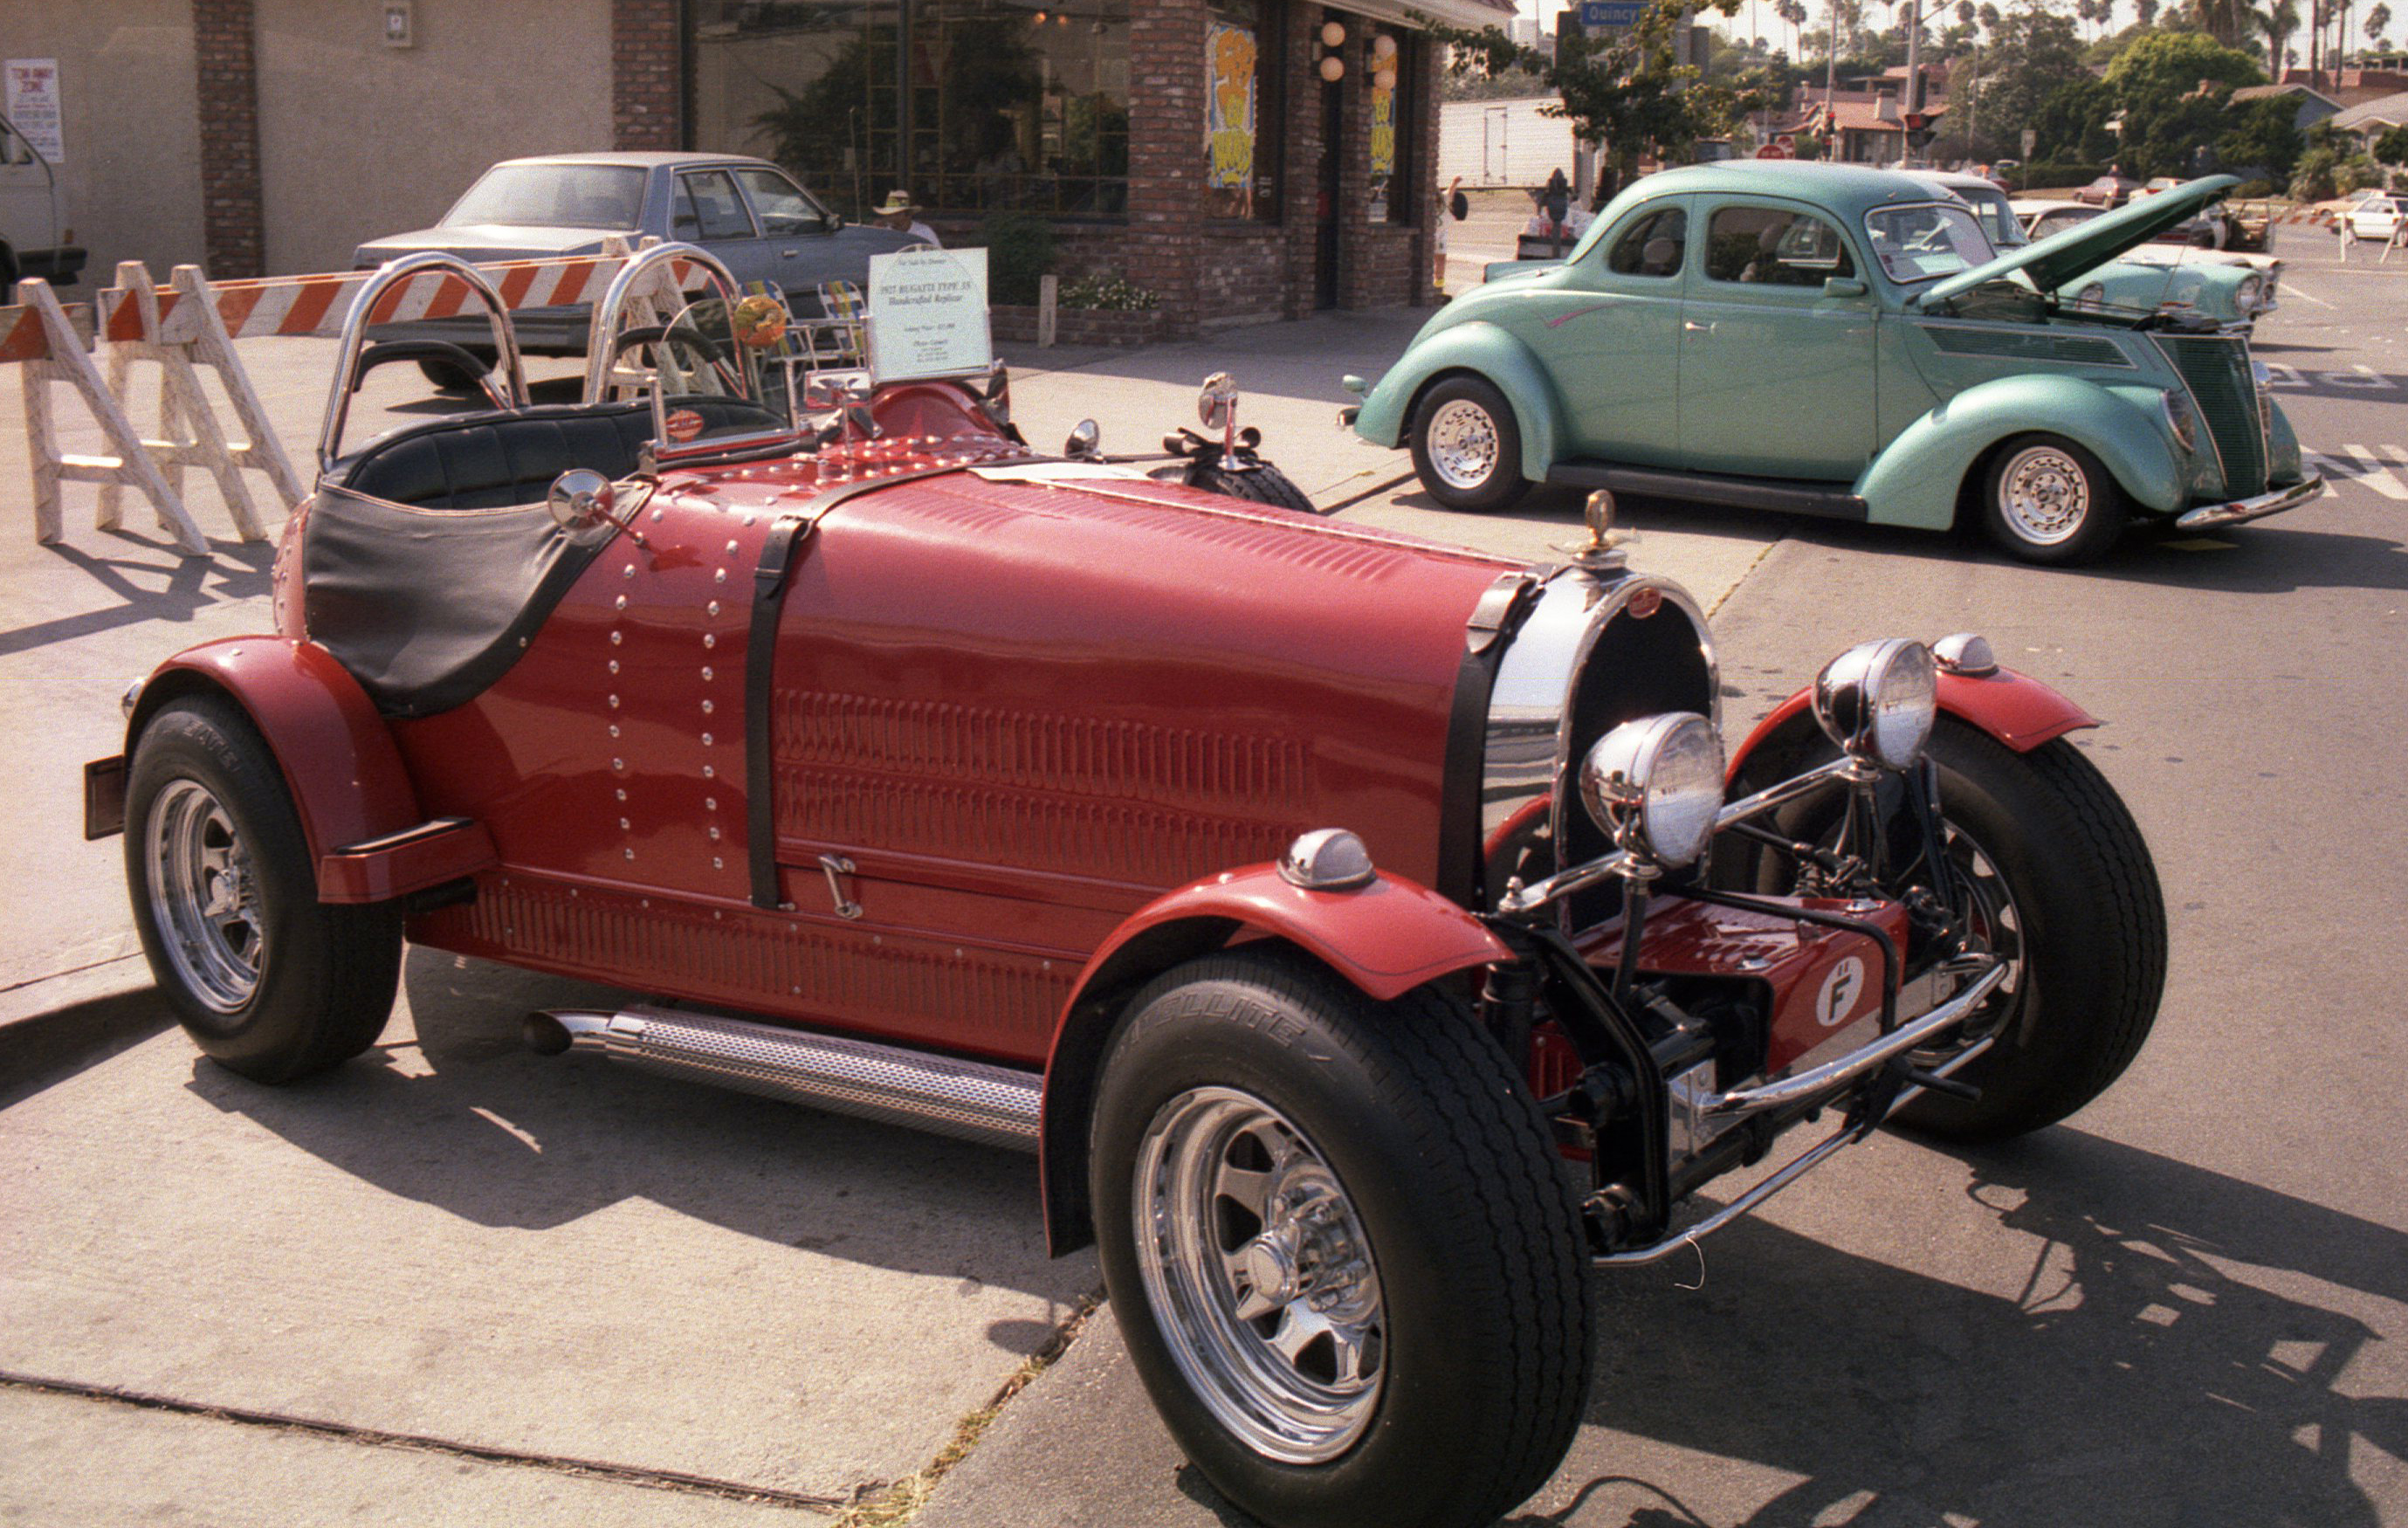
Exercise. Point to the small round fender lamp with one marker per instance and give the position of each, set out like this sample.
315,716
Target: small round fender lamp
1877,700
1656,786
1327,860
1965,652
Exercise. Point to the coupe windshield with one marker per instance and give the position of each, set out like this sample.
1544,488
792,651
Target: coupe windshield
1998,218
1926,242
553,196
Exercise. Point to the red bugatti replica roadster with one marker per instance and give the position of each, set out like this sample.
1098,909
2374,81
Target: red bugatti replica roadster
1371,936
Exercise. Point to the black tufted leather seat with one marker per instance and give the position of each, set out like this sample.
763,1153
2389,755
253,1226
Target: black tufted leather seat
491,460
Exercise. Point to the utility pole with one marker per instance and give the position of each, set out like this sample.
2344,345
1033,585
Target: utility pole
1831,75
1913,115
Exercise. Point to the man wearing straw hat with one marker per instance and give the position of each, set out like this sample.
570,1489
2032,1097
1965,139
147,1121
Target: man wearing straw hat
896,213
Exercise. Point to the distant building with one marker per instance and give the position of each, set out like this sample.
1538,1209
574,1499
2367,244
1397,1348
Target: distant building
2370,119
2315,105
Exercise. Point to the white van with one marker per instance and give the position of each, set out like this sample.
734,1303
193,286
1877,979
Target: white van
35,238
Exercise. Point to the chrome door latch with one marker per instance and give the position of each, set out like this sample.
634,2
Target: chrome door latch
837,866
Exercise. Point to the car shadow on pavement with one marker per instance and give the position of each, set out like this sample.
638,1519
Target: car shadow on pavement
463,1118
2270,557
148,580
2177,1355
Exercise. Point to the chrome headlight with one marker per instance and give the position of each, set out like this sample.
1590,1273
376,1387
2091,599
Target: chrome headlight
2182,418
1878,699
1656,786
2244,296
2092,298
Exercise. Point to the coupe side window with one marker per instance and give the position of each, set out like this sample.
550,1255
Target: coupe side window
1654,246
708,208
1772,245
2057,223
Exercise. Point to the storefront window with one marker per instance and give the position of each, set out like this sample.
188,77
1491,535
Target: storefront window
1021,107
1240,112
809,83
1391,90
995,105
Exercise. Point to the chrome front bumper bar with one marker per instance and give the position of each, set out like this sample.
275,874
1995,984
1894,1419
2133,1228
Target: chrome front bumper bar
2272,502
1807,1085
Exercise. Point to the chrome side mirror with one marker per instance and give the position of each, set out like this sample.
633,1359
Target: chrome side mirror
1217,405
585,503
1087,442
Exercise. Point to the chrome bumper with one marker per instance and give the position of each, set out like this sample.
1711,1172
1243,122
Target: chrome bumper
2272,502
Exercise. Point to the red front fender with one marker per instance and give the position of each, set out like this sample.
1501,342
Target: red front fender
2018,710
1388,939
346,780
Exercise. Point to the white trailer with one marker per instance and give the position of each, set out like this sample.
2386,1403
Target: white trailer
1503,143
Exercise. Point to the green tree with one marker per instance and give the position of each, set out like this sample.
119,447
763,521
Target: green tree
2032,54
2262,135
2378,21
2391,147
2169,119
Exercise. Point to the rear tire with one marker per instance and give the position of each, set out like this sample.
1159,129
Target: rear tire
267,981
1466,446
2050,500
1265,1138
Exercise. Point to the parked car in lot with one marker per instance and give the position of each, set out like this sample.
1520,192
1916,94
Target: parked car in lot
2375,218
1846,342
2226,286
1315,900
748,212
37,235
2109,191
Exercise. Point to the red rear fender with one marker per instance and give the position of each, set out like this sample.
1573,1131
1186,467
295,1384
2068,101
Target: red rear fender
1386,939
346,778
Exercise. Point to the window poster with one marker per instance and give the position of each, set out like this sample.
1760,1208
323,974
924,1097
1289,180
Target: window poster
1384,148
1230,55
33,97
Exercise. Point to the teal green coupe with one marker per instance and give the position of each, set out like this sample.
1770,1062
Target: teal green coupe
1839,341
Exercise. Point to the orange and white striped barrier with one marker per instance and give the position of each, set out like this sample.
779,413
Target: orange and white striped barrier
316,305
39,337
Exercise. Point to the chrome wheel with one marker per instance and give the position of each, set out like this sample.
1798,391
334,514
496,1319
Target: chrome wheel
2044,495
1461,441
1995,926
1259,1274
206,895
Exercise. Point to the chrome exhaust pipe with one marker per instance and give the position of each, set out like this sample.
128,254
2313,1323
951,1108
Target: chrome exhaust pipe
973,1101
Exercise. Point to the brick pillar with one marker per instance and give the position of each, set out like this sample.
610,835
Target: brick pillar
1423,85
1166,194
1354,263
234,232
1302,181
647,75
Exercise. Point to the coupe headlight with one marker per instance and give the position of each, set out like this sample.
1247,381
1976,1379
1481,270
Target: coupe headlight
1656,786
2092,298
1877,700
2244,296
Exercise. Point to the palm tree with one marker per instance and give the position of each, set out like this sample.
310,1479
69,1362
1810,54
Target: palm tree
2378,21
2225,20
2276,25
2147,10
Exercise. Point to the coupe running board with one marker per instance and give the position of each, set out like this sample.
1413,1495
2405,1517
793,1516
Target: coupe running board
1711,488
996,1105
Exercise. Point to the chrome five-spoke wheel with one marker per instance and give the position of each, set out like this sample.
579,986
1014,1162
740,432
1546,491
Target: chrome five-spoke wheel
206,895
2048,499
1264,1278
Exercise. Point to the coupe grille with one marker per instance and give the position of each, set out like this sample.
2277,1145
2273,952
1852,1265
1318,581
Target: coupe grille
2216,368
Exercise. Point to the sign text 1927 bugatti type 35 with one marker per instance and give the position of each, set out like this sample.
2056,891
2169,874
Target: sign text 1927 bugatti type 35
1367,934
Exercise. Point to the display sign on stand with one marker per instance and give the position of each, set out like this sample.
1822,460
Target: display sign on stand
928,315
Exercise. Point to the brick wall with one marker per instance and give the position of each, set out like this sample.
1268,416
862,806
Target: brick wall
647,77
225,62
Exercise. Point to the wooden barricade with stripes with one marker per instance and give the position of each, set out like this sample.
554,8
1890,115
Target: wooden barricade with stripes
37,335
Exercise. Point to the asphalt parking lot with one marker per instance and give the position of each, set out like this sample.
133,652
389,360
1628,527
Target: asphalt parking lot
453,1282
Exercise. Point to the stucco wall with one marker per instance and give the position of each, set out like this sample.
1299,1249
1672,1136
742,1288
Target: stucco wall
358,139
133,156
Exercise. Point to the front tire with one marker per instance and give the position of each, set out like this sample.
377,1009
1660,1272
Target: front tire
2050,500
1263,483
267,981
1468,446
2061,867
1349,1271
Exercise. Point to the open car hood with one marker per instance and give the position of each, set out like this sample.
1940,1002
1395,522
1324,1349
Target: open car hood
2065,257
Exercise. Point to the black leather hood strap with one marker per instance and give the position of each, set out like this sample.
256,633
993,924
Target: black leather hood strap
780,550
1485,637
